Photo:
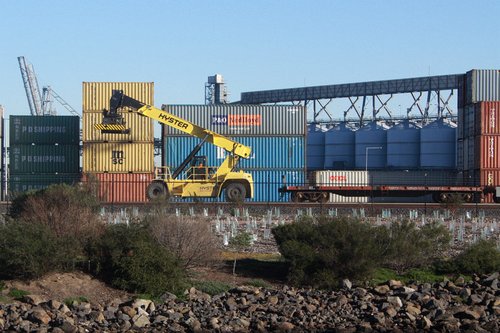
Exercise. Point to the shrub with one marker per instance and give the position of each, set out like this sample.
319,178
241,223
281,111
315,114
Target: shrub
190,240
333,248
258,283
17,293
68,211
212,287
129,258
480,258
412,247
30,250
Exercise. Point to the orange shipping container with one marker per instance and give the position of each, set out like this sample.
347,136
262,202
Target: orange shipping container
118,157
141,128
487,150
487,118
119,187
96,95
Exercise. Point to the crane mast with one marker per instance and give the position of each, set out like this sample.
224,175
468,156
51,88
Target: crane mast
31,87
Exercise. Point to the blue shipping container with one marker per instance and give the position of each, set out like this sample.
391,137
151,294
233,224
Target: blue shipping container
267,152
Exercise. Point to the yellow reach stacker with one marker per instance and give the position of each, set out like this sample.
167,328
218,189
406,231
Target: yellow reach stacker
192,178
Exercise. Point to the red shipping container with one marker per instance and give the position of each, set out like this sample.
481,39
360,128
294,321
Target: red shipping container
487,118
120,187
487,152
488,177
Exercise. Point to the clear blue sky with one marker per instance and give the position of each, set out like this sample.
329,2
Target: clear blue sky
255,45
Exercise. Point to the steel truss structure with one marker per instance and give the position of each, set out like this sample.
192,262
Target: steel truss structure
364,97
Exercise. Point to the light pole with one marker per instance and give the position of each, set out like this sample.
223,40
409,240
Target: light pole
366,155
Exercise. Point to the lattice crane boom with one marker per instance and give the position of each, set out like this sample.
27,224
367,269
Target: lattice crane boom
31,87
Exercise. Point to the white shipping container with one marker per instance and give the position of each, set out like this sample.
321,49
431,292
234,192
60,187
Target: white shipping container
341,178
341,199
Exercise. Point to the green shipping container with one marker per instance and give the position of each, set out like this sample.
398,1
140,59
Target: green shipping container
64,130
49,159
23,183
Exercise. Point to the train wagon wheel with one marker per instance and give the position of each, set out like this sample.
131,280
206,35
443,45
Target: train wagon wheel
324,196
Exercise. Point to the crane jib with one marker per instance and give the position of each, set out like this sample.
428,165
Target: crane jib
173,121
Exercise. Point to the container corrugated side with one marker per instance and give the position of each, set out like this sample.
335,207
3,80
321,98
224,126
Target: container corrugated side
460,123
267,152
487,118
119,187
242,119
469,120
335,198
487,152
26,182
488,177
44,159
44,130
341,178
96,95
460,154
116,157
141,128
483,85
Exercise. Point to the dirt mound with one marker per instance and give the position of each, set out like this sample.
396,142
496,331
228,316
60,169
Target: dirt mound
61,286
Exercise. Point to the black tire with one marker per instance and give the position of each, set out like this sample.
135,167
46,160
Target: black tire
156,191
324,197
235,192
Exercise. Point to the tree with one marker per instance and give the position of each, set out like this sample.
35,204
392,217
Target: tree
239,243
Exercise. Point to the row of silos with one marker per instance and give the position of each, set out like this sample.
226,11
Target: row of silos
118,166
377,146
479,128
276,135
43,150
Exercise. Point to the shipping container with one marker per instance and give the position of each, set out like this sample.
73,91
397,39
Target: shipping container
486,153
119,187
25,182
118,157
460,123
482,85
487,116
44,159
341,178
141,128
267,152
335,198
237,119
482,177
469,119
460,154
96,95
64,130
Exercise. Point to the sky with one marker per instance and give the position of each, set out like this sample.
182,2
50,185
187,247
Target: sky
255,45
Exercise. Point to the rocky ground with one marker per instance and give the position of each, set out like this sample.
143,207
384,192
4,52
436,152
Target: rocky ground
456,306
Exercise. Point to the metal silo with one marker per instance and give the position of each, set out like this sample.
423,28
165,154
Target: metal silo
371,146
315,147
403,146
438,145
339,148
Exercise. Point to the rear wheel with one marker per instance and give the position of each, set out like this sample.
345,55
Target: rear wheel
156,191
235,192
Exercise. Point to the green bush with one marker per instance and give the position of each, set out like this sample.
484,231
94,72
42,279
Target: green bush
129,258
480,258
17,293
212,287
333,248
412,247
29,250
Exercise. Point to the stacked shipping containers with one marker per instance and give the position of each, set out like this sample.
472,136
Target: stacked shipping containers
479,131
120,165
275,133
43,151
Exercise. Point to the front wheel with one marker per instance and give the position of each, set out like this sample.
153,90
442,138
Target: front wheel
156,191
235,192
